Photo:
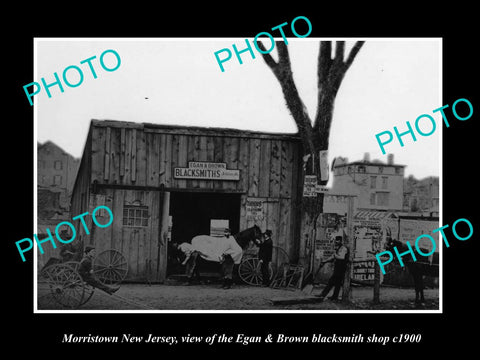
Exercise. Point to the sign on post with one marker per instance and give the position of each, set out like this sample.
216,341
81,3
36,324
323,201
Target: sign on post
309,186
324,174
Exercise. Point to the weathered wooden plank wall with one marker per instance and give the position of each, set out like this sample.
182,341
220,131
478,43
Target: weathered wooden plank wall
140,155
131,156
138,244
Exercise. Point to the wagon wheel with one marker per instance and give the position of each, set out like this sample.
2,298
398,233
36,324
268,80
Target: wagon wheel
249,271
89,289
110,267
66,285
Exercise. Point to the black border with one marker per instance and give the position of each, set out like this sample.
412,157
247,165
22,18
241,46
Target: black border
43,332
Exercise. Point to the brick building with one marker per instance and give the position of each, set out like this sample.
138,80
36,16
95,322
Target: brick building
377,185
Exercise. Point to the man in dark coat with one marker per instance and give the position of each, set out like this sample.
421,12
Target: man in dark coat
340,259
86,271
227,265
265,256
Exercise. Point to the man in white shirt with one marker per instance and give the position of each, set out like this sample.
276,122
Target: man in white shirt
340,258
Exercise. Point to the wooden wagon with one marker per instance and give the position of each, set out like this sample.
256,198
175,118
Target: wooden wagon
69,289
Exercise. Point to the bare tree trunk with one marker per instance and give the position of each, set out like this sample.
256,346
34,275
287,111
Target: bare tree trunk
330,72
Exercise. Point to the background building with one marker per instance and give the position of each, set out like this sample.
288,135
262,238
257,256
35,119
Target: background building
377,185
421,196
383,201
56,173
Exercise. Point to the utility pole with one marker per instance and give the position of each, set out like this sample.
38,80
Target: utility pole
376,283
349,243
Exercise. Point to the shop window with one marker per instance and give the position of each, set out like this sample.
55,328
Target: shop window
134,215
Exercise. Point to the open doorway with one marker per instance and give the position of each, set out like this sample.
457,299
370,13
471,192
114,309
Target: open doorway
200,213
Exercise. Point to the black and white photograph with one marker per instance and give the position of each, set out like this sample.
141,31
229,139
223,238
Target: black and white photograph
263,191
238,181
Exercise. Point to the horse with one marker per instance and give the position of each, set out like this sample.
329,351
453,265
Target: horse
227,251
416,269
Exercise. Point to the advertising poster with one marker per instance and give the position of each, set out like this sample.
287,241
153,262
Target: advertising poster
135,134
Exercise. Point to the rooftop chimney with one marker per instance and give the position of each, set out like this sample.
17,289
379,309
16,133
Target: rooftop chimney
390,159
366,157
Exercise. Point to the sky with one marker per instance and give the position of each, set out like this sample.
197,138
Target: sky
178,81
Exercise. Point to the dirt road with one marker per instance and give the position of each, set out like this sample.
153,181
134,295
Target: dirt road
176,296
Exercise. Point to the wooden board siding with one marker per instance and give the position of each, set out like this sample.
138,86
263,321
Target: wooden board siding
139,244
132,160
148,158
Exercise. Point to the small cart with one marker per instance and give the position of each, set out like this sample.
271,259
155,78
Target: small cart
67,287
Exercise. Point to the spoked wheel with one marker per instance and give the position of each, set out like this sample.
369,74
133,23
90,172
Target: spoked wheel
249,271
110,267
89,289
66,285
250,268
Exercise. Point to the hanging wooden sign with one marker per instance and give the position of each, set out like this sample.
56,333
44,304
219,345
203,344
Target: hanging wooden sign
200,170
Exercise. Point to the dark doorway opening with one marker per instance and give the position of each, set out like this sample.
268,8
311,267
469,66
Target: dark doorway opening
192,214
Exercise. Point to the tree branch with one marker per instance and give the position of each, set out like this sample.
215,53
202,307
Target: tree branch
267,57
283,56
339,51
330,75
329,81
353,53
283,72
324,62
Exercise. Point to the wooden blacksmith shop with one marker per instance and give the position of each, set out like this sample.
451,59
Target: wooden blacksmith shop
168,184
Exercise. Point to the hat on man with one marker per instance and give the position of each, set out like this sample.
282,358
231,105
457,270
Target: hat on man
268,232
88,248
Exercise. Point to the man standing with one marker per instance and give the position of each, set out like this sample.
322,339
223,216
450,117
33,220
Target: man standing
340,259
227,264
265,256
86,271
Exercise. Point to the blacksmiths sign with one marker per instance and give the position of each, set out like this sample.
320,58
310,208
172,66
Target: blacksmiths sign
206,171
